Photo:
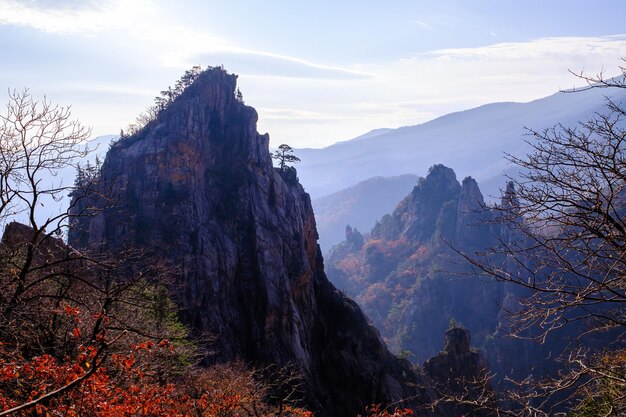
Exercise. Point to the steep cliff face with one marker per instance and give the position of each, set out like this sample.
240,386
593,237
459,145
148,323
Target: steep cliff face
197,187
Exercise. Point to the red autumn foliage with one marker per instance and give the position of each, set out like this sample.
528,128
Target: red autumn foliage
122,386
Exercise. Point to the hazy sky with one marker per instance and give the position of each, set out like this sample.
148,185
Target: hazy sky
317,71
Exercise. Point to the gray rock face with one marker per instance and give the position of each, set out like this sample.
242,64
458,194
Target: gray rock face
472,217
197,188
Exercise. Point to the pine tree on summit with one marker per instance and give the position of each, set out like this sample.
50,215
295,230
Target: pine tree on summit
284,155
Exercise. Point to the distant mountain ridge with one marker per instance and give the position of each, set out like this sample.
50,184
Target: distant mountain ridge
473,141
371,134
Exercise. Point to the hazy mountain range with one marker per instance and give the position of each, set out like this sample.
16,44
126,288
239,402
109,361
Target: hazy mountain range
472,142
342,178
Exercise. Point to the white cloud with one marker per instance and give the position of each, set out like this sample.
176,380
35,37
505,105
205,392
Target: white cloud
256,63
423,24
176,46
541,48
306,103
414,90
102,87
89,19
291,115
500,72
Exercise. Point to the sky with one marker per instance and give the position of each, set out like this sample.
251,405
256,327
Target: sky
317,72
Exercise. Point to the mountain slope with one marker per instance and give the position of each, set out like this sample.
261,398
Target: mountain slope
473,141
409,278
197,188
358,206
403,274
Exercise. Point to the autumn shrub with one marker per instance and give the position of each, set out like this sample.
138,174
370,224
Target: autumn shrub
125,384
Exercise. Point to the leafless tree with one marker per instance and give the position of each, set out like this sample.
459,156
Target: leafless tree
600,79
165,98
55,298
565,246
37,141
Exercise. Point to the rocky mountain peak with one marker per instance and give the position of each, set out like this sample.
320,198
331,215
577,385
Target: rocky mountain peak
438,207
509,197
471,192
441,175
197,187
406,273
472,226
440,185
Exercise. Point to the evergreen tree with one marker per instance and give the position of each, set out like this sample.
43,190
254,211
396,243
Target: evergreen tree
284,155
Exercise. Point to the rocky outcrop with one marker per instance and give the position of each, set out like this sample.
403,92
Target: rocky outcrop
428,206
472,230
353,242
457,361
411,280
460,375
408,275
354,238
438,207
197,188
360,206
